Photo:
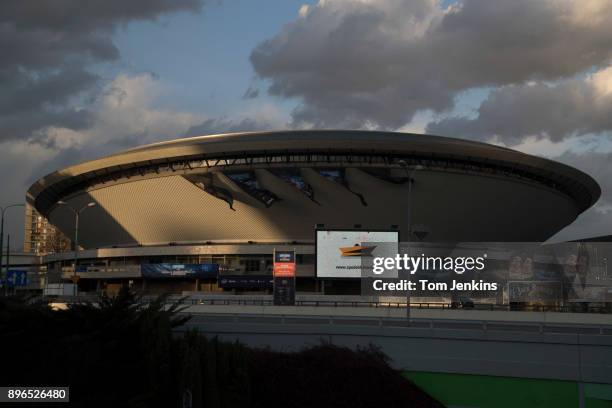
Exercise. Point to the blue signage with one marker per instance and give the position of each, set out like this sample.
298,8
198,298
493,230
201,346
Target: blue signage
245,281
284,256
16,278
168,270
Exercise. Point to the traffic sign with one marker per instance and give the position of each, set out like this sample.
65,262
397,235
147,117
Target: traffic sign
16,278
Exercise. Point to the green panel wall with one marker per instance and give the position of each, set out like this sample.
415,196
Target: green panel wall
499,392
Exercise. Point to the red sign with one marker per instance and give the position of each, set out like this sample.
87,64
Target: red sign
284,264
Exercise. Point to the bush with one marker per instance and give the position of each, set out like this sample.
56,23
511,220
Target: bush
331,376
122,352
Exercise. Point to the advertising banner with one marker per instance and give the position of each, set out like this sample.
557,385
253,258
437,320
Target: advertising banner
284,264
340,253
498,272
168,270
245,282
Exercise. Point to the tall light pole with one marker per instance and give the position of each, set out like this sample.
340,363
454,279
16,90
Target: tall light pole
410,173
76,234
8,261
3,210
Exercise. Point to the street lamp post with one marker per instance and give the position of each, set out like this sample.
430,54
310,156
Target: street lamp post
8,261
2,211
410,175
76,234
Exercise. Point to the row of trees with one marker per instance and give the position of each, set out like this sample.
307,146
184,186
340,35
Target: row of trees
120,352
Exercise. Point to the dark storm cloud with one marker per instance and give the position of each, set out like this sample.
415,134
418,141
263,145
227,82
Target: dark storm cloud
83,15
46,48
215,126
43,50
570,108
374,64
251,93
29,103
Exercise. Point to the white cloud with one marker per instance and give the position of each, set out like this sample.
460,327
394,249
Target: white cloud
254,117
419,122
557,110
602,82
124,115
353,63
127,113
304,9
544,147
127,107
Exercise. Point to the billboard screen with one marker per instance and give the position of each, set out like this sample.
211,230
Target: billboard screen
340,253
167,270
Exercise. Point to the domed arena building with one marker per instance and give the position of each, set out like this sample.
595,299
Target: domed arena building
231,199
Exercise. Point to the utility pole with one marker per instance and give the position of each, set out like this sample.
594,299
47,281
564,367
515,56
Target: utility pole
8,258
76,236
410,175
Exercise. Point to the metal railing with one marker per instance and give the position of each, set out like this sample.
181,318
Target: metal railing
484,326
335,302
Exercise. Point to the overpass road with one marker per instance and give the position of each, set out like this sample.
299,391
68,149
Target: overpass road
560,346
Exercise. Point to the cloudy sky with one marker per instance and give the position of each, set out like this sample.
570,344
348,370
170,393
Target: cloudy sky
81,79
